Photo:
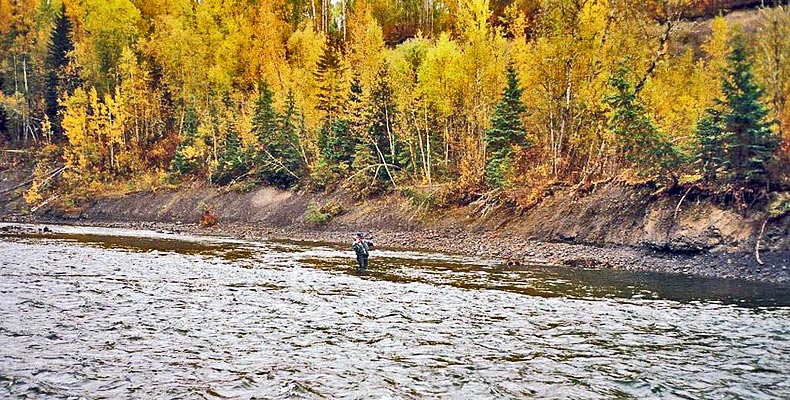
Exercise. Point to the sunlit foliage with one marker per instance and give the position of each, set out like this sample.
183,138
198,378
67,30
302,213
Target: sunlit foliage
462,97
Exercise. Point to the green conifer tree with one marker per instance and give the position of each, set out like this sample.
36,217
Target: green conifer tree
382,114
278,156
358,120
182,164
336,143
57,58
292,128
643,144
329,74
507,130
264,121
231,164
735,136
712,152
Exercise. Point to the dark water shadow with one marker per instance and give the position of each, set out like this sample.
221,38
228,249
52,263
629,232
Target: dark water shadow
229,251
465,273
570,282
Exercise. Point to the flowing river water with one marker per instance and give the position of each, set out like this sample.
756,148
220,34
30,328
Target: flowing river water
109,313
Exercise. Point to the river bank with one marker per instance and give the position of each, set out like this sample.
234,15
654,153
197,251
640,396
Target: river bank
492,245
612,226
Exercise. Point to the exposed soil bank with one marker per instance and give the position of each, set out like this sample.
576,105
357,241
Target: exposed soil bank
609,226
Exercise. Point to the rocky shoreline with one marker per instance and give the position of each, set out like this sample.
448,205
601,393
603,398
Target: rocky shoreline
492,245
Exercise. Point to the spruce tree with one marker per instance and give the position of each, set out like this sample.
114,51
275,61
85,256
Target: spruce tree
507,130
231,163
264,121
336,143
712,152
735,136
366,181
358,120
60,45
329,74
278,156
292,127
382,114
643,144
182,164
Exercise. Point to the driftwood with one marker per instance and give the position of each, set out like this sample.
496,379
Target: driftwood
29,181
759,240
47,201
677,208
369,167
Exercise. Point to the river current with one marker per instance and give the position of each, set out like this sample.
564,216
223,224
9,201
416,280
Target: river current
108,313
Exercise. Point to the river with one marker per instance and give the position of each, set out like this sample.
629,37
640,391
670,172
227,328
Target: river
111,313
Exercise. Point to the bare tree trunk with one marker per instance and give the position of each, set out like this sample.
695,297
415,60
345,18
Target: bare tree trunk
657,57
422,148
390,136
566,112
16,80
552,143
427,144
26,115
344,20
384,163
325,16
446,142
757,245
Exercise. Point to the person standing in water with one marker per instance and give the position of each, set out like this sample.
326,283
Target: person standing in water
362,247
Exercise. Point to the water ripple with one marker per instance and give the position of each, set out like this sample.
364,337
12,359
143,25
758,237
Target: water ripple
81,316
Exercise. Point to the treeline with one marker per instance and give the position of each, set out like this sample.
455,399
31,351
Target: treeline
451,99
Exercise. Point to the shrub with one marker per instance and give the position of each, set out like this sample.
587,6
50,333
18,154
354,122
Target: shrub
320,215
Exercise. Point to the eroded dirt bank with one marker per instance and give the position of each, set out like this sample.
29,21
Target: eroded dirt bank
609,226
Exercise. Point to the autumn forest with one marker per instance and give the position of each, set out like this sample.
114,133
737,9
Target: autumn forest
442,100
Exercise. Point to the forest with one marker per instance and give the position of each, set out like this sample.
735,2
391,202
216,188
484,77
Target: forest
444,101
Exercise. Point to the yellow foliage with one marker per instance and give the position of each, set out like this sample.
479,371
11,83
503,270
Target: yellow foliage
473,19
367,44
32,195
678,95
716,49
147,64
440,75
305,47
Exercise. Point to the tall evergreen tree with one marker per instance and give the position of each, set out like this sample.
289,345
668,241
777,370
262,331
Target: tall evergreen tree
358,121
336,143
643,144
507,130
329,74
264,121
366,180
382,114
231,163
293,128
182,163
57,58
278,156
735,137
713,140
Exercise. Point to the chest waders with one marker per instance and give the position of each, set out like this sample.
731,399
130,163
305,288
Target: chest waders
363,252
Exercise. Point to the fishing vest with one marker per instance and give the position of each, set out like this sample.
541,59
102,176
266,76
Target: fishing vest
361,248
